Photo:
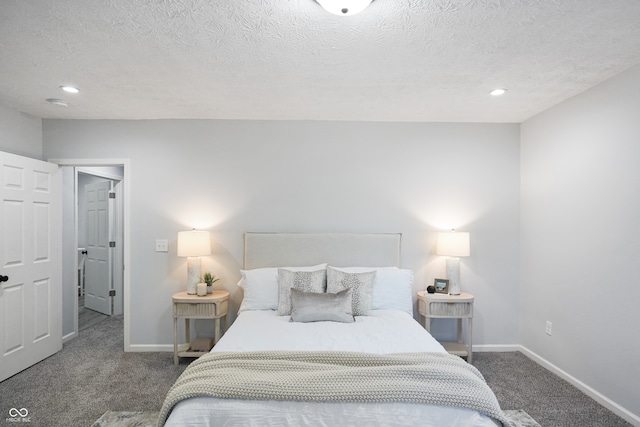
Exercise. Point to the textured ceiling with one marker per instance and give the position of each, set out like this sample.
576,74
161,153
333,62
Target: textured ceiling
399,60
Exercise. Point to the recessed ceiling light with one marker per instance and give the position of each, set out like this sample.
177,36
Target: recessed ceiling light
56,101
344,7
70,89
498,91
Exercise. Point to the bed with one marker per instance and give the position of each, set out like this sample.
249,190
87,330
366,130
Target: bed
298,356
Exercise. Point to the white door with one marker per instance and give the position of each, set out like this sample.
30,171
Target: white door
97,275
30,263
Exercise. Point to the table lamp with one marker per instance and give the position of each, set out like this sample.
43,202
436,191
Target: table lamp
453,244
193,244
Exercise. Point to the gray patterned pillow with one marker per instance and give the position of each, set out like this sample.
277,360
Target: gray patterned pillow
307,281
315,307
360,283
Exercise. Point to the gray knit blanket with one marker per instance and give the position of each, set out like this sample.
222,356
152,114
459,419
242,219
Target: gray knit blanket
431,378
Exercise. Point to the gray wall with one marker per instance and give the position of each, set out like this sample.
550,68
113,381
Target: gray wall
581,237
235,176
20,133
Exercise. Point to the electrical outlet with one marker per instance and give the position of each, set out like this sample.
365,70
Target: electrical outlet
162,245
548,328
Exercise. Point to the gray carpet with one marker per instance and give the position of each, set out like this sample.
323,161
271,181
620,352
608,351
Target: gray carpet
519,382
92,375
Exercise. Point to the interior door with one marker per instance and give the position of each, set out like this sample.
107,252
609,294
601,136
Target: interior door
30,263
97,281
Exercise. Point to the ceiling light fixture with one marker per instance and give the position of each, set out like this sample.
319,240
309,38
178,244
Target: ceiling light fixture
69,89
498,91
344,7
56,101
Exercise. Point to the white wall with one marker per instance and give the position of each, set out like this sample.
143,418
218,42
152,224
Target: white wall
235,176
20,133
581,237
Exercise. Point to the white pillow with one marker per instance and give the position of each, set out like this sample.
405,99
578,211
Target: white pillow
261,286
392,288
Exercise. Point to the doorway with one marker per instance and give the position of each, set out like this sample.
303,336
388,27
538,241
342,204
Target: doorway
76,172
98,231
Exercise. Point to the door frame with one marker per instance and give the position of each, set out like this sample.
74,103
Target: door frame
126,228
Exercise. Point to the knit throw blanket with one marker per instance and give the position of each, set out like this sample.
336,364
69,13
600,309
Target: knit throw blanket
431,378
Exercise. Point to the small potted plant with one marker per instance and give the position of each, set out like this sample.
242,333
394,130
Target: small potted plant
209,279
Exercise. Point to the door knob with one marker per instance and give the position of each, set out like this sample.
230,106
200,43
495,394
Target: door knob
3,278
84,252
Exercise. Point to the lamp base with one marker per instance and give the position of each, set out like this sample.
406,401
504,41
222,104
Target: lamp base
193,274
453,274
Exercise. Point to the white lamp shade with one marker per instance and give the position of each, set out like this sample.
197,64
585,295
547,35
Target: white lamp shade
344,7
453,244
194,243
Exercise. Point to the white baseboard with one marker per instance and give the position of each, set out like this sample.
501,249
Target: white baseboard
147,348
598,397
69,337
496,348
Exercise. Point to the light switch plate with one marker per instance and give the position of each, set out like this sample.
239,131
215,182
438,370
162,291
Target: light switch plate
162,245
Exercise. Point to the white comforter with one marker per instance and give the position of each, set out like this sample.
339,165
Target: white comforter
386,331
383,332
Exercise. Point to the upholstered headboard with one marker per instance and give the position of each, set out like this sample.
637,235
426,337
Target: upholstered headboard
338,249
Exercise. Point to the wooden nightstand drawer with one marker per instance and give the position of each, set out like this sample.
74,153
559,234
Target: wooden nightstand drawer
450,309
194,310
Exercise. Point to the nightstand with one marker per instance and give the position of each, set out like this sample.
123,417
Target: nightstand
185,306
444,306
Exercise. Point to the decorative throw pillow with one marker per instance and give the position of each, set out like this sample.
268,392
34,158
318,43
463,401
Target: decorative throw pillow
307,281
315,307
260,286
392,289
360,283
